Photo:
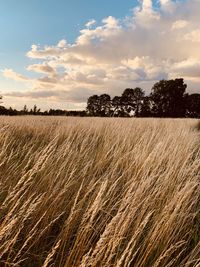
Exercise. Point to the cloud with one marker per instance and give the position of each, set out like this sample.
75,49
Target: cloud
90,23
42,68
179,24
62,43
9,73
76,96
110,22
189,68
151,44
193,36
167,5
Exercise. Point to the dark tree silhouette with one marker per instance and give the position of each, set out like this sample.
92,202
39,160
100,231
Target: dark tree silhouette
3,110
132,100
99,105
93,105
25,110
193,106
36,110
105,105
118,108
145,110
168,98
12,112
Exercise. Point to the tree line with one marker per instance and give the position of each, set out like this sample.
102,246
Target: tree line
37,111
167,99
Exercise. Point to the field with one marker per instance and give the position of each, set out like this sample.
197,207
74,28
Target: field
97,192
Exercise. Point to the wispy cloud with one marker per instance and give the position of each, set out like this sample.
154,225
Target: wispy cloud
90,23
9,73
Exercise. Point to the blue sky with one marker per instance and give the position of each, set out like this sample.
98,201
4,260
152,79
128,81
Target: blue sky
49,56
24,22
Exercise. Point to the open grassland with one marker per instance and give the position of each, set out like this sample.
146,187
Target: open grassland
95,192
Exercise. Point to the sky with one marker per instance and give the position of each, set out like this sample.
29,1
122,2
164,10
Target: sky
57,53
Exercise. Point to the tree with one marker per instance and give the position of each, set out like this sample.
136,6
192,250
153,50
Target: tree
0,99
105,105
145,110
93,105
12,112
25,110
168,98
35,110
3,111
118,108
193,106
132,100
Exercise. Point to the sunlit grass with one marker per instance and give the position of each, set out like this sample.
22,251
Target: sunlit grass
99,192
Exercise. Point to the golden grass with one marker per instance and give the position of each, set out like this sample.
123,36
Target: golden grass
99,192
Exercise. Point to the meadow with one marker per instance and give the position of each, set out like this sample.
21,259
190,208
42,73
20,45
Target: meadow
99,192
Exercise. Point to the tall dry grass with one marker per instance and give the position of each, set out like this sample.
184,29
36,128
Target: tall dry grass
99,192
